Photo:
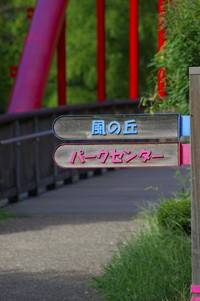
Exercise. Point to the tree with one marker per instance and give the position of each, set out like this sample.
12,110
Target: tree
180,52
82,47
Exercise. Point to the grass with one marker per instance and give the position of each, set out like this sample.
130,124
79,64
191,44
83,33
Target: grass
153,266
7,213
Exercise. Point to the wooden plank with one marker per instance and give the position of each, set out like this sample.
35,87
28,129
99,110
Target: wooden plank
195,171
117,127
109,155
194,70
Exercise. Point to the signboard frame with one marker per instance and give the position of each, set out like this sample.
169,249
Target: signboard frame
121,146
147,124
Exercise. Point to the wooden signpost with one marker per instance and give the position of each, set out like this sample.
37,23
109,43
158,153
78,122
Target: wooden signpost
118,127
138,141
110,155
195,180
107,141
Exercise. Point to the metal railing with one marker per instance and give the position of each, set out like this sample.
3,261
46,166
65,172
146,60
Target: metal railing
27,144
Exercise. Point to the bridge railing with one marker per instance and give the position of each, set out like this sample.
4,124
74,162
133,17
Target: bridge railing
27,143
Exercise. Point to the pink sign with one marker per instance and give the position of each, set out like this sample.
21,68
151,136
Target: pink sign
107,155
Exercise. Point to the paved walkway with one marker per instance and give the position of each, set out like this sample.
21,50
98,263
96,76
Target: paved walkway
71,232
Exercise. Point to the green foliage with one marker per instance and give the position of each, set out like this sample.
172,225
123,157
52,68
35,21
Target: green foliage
149,267
180,52
117,52
6,213
81,48
175,215
148,22
81,51
13,29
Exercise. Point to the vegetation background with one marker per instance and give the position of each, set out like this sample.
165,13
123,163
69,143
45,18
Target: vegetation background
181,50
81,48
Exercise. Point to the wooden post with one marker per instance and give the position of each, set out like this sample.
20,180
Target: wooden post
61,66
195,171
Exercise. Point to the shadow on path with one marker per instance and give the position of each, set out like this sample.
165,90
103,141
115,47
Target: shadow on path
38,223
50,286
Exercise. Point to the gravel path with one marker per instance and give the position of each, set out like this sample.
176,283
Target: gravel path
54,257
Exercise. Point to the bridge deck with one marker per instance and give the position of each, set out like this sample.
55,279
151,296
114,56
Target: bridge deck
119,191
